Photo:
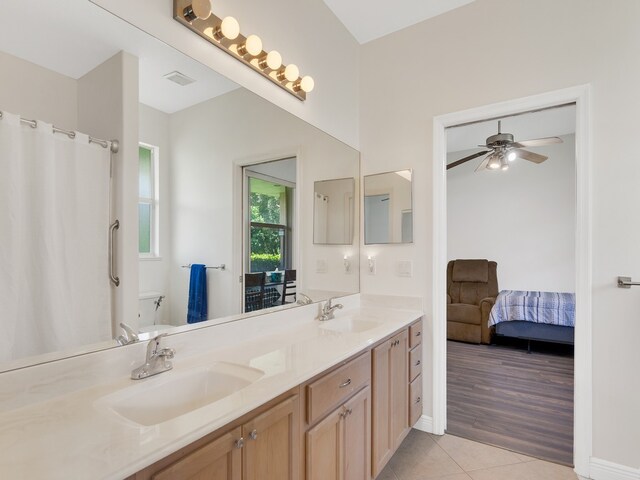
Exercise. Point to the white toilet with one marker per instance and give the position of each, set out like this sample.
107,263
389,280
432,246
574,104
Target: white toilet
150,308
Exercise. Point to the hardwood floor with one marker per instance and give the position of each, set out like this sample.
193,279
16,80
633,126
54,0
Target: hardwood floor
502,396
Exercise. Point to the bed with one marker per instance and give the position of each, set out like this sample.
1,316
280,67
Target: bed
533,315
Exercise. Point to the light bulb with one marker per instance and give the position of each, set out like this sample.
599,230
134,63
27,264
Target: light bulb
201,8
307,84
272,60
291,72
252,45
512,156
494,161
229,28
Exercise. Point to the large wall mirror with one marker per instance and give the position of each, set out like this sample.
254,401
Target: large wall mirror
388,208
220,182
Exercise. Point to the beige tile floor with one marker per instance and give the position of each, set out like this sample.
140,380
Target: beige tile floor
423,456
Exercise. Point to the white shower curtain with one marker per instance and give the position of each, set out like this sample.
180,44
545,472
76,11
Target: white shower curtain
54,219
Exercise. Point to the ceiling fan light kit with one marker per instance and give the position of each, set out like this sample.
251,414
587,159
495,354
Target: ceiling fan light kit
503,149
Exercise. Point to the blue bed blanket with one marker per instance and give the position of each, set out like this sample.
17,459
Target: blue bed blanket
551,308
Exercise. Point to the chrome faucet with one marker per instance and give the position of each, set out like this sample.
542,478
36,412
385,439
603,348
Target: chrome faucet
327,310
157,360
129,336
303,299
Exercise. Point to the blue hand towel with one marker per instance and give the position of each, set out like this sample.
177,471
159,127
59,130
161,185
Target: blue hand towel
197,310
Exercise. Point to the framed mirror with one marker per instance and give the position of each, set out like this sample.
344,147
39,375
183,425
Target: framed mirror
190,143
388,208
333,211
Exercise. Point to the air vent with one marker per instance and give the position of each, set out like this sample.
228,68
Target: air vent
179,78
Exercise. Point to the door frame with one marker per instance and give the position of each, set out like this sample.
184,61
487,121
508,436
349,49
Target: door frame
580,95
240,218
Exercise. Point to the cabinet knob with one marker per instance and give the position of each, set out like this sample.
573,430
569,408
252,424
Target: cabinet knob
418,334
418,363
346,383
418,399
239,443
254,434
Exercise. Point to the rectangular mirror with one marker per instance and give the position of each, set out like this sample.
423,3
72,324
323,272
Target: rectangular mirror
212,183
388,208
333,211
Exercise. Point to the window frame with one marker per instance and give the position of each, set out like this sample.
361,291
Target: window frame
154,202
287,229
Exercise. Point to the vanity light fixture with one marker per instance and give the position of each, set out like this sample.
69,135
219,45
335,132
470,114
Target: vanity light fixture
225,34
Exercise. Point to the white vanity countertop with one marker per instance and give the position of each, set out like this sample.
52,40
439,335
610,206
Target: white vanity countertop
72,434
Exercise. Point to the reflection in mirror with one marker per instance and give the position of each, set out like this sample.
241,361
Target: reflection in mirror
204,150
270,279
388,208
333,210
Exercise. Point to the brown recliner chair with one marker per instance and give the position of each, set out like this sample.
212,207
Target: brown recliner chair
472,288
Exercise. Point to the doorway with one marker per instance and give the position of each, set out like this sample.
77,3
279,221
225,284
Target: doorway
583,395
269,198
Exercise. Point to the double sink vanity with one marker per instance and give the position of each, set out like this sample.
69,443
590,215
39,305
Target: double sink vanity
279,396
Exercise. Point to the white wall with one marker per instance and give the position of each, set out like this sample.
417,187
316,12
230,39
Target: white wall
108,109
554,45
207,140
305,33
523,218
34,92
155,273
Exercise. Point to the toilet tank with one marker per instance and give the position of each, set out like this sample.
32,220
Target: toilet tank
147,312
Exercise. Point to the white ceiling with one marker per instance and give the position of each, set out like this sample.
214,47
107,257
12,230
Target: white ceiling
547,123
72,37
371,19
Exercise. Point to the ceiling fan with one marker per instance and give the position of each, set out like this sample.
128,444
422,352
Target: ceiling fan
503,150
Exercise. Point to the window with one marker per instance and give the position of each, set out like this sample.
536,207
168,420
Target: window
148,201
270,228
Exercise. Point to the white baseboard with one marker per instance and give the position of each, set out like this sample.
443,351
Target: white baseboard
424,424
604,470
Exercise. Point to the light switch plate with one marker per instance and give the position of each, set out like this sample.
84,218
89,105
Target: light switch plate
405,268
321,266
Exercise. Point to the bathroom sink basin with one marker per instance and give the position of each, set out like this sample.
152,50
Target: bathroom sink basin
166,397
349,325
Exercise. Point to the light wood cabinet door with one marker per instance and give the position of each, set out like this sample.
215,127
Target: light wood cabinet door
357,436
325,448
390,399
272,443
400,389
217,460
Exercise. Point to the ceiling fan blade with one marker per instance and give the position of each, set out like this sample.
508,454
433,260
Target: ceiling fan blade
538,142
527,155
465,159
483,164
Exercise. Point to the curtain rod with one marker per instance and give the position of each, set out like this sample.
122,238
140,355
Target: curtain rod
113,145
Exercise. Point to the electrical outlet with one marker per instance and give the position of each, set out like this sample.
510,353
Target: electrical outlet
405,268
321,266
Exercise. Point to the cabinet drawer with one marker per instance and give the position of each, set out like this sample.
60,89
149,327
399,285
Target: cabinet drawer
415,334
335,387
415,362
415,400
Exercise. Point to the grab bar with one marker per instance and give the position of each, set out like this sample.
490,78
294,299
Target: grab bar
625,282
112,268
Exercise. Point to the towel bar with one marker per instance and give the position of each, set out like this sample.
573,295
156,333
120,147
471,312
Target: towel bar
222,266
625,282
